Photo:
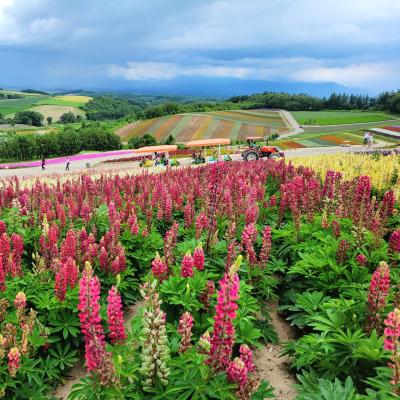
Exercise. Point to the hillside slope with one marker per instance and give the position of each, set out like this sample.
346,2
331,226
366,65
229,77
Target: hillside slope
236,125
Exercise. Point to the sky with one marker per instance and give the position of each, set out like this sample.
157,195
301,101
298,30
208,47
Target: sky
201,47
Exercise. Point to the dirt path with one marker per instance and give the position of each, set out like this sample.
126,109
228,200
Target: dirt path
272,367
79,371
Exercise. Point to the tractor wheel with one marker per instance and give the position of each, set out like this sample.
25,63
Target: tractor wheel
274,156
251,156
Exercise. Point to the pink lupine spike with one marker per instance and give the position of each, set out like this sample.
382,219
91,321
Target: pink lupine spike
115,317
187,265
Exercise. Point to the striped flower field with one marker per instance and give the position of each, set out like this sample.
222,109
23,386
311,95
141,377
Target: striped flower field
236,125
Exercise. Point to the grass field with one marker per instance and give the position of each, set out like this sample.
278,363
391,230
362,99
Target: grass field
236,125
338,117
11,106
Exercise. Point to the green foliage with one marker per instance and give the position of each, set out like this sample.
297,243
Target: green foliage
68,141
29,118
103,108
141,141
68,118
170,140
314,388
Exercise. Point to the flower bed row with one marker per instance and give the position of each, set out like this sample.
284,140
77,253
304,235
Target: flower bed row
205,248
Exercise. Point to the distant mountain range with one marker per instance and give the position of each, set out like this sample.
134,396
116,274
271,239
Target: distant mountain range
208,87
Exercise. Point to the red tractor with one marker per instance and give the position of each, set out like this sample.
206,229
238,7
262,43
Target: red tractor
254,152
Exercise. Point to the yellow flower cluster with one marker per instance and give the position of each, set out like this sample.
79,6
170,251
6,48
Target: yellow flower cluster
384,171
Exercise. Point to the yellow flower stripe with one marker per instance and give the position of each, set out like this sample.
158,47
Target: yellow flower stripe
384,172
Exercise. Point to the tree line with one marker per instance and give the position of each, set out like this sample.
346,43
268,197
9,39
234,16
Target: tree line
386,101
113,108
6,96
68,141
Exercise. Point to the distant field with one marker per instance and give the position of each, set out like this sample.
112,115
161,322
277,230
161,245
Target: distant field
328,139
9,107
56,111
236,125
75,99
337,117
58,102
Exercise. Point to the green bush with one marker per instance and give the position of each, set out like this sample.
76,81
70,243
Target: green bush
29,118
66,142
145,140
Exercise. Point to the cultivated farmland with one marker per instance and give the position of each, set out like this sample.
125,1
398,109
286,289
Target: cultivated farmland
55,111
324,139
338,117
236,125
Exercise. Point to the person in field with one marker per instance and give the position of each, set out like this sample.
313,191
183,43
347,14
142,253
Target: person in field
67,165
370,139
43,164
365,141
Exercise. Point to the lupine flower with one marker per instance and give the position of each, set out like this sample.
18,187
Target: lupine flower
394,241
2,276
145,232
198,258
187,266
392,344
362,209
341,254
237,372
324,221
13,361
3,227
201,224
377,294
272,201
68,247
185,331
155,350
387,205
103,258
249,236
266,246
223,336
361,260
27,324
18,249
170,240
115,317
133,224
159,268
20,300
231,232
98,360
252,214
332,179
67,275
335,228
205,343
231,255
188,214
246,356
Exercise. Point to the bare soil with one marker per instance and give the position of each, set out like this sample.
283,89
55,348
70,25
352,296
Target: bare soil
272,367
